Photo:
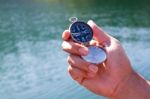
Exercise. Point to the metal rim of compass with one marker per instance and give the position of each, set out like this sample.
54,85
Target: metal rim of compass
74,21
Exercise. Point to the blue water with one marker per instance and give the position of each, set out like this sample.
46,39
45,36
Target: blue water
32,63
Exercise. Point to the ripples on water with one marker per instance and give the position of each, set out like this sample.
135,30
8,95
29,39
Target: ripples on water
32,64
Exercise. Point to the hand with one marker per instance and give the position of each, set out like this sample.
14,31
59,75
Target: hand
102,79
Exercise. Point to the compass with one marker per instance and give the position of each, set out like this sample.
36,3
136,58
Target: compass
82,33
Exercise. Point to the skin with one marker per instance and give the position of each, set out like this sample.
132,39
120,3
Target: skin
111,76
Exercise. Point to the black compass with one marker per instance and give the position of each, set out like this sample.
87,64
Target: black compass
81,32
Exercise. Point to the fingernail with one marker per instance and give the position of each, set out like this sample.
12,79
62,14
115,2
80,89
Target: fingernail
93,68
66,35
91,22
83,51
66,45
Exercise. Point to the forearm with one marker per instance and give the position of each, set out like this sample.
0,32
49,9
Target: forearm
135,87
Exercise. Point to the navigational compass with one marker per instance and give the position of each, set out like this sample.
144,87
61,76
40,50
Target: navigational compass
82,33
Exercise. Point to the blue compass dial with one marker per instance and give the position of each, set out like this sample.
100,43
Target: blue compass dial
81,32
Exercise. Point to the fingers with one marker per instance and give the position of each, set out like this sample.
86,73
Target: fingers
76,74
66,35
79,75
94,43
99,34
74,48
79,63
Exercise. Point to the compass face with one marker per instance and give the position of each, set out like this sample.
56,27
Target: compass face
81,32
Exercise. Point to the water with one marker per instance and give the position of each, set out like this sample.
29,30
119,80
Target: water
32,64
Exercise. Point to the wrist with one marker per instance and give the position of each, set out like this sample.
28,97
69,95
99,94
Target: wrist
132,87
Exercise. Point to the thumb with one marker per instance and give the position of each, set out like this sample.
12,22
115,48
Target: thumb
99,34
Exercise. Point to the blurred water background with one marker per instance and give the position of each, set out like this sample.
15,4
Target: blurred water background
32,64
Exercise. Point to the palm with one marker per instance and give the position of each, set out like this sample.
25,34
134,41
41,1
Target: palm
110,73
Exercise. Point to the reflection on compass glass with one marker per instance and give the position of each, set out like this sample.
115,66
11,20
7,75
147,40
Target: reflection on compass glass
81,32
